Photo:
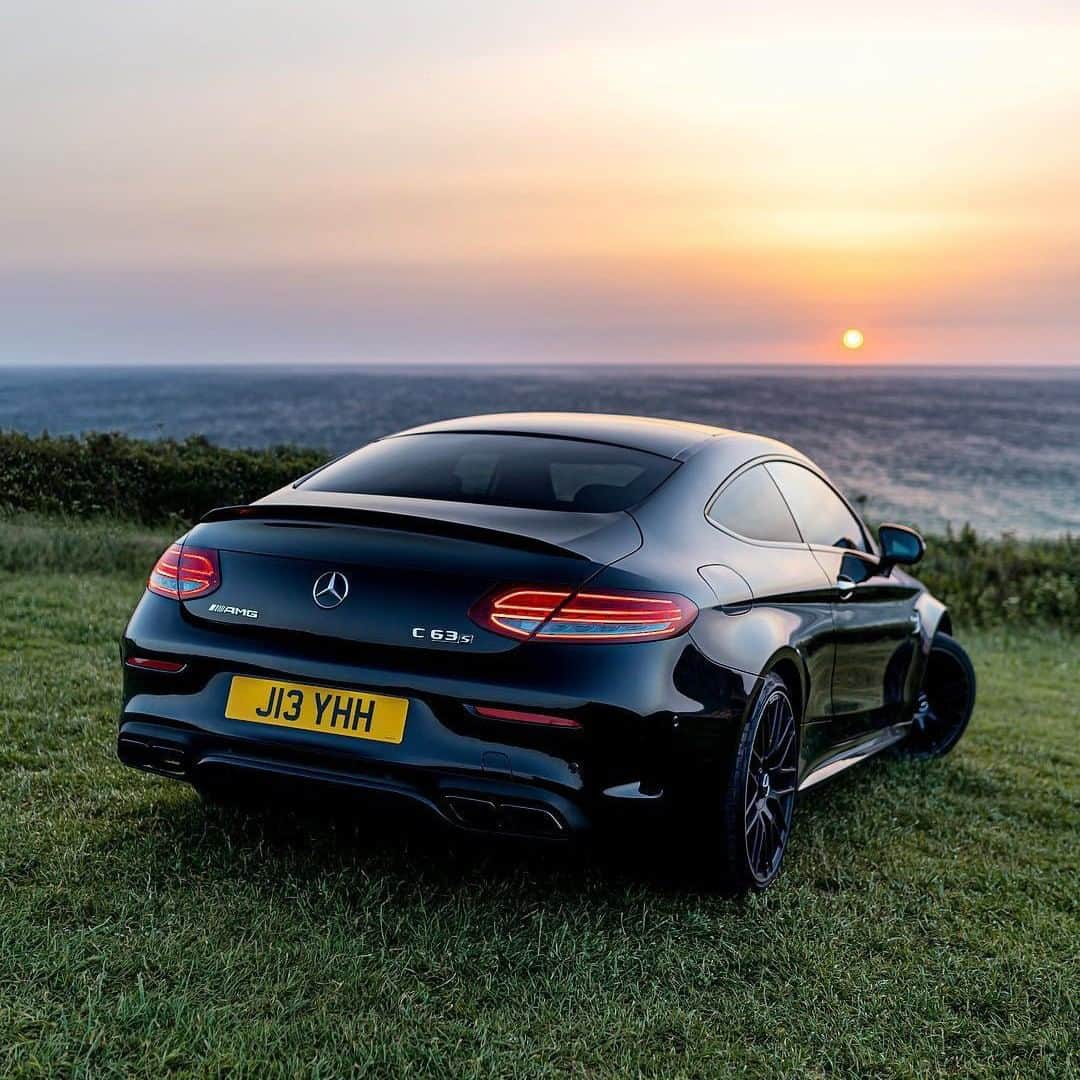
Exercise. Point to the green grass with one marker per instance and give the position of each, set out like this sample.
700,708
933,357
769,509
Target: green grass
32,542
926,923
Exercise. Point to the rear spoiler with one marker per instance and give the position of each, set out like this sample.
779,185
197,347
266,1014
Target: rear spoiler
316,516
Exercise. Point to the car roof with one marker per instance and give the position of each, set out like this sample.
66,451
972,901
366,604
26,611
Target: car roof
675,439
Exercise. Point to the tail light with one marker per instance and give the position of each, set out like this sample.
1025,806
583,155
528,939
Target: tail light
564,615
183,573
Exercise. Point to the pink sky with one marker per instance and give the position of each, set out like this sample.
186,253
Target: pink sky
519,182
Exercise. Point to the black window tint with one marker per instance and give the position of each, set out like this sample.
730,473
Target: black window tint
752,507
822,515
569,477
500,470
476,472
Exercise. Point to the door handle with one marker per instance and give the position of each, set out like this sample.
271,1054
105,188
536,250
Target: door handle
845,586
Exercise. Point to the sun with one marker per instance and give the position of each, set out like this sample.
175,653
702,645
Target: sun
852,339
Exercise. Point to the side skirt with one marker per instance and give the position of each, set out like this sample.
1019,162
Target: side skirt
882,740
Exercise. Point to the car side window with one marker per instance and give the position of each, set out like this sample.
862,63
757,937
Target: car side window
822,516
751,506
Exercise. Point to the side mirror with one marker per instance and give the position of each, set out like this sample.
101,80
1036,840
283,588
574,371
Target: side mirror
900,546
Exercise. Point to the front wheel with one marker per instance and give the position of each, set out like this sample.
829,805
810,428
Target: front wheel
760,797
945,702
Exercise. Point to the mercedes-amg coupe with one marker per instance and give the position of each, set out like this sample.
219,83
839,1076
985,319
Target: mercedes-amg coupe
541,624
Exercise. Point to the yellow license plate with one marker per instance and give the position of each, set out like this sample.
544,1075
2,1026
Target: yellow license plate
317,708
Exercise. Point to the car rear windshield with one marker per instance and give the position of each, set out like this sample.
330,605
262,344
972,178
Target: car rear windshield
500,470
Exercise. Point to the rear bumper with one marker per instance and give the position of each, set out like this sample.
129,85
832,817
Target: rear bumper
651,714
469,803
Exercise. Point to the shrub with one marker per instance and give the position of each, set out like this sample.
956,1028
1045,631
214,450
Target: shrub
139,480
1006,580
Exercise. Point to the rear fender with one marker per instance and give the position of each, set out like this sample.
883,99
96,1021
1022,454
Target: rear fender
757,641
791,667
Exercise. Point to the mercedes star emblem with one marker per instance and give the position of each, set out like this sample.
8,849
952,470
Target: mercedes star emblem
330,589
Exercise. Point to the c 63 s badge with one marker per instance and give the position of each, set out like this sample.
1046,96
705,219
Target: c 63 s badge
448,637
228,609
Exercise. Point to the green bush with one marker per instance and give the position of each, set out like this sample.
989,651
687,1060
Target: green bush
1004,581
138,480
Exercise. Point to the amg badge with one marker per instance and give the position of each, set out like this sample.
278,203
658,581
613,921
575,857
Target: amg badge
228,609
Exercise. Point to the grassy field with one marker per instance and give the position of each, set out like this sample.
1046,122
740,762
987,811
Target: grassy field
926,923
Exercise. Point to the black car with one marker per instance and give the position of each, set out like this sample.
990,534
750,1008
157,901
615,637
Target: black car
535,624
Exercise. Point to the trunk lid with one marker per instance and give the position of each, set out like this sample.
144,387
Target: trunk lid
397,569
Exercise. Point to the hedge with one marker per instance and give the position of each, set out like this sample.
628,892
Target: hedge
1005,581
139,480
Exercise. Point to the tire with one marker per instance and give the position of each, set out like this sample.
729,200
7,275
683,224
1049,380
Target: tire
759,799
946,700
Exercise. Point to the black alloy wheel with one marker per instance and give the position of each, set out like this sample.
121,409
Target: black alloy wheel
945,702
761,795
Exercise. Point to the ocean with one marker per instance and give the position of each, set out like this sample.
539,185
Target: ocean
999,450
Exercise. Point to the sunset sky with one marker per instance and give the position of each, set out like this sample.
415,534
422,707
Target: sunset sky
540,182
